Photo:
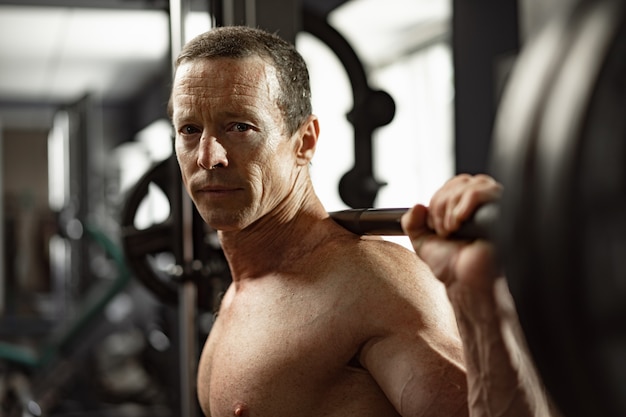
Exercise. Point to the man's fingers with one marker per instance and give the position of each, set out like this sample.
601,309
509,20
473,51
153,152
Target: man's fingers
459,199
415,222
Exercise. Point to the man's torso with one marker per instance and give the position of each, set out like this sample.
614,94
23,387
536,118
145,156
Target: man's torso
288,345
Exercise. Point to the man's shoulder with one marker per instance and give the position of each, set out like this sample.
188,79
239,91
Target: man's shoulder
379,249
376,257
369,243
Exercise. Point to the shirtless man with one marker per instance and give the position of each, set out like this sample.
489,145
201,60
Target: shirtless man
318,321
502,379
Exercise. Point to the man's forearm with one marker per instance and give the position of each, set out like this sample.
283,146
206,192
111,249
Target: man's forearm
502,380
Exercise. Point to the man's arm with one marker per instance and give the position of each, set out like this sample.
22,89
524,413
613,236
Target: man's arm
415,354
502,380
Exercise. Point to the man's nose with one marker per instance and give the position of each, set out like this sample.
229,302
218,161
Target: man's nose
212,153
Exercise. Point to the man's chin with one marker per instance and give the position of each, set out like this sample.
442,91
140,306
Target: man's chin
224,222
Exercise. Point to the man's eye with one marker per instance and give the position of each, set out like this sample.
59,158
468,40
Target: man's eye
241,127
189,130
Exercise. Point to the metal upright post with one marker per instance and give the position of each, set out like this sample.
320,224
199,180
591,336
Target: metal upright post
187,300
2,268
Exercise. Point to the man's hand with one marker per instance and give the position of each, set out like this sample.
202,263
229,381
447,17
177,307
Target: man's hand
455,262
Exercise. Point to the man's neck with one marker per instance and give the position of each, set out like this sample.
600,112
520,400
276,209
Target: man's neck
280,237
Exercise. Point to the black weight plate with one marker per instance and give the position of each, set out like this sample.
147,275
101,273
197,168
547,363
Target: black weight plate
513,164
580,202
601,193
537,233
142,245
512,154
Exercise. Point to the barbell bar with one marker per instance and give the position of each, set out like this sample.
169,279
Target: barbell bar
386,221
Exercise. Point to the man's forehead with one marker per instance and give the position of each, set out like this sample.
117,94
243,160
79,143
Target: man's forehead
251,76
253,66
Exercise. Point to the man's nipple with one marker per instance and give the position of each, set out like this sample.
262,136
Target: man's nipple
240,410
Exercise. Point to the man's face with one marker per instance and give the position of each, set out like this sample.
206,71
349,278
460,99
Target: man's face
236,160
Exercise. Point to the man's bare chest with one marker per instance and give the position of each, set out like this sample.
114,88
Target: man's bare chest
278,355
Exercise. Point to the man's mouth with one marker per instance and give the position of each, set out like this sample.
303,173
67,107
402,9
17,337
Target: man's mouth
216,190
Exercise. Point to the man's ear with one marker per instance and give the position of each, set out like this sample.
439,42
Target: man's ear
307,140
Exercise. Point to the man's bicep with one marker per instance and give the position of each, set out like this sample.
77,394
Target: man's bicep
417,376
